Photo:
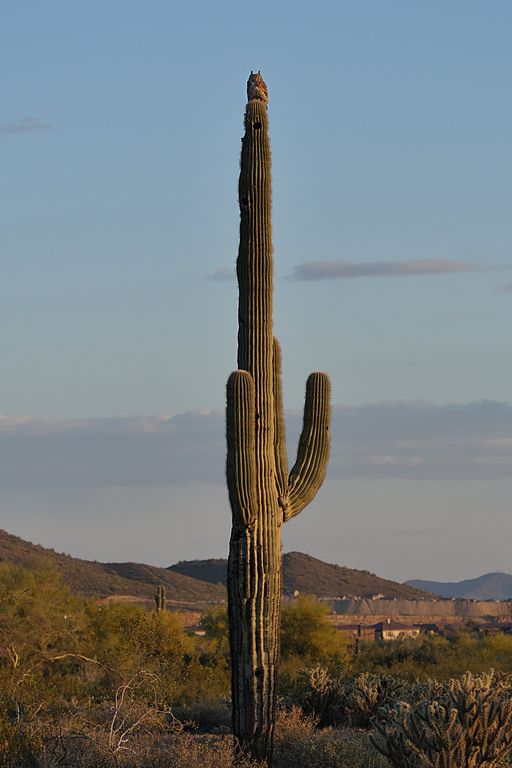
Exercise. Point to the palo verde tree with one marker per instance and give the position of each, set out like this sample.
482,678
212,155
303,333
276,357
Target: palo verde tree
262,493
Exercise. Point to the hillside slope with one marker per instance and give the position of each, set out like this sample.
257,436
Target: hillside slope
490,586
194,582
107,579
308,575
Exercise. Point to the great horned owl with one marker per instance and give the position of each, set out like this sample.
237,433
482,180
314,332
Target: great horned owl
256,88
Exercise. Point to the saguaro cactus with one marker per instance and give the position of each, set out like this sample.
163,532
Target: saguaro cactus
160,598
262,493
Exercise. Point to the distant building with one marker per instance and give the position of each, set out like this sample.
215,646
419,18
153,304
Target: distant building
393,630
495,628
385,630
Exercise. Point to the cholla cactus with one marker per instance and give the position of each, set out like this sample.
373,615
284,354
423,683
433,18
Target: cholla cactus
367,693
323,697
468,726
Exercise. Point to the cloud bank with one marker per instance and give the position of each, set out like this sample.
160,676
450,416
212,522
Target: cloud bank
336,270
413,490
422,441
384,440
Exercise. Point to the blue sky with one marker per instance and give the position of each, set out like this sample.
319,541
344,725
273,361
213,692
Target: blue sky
120,128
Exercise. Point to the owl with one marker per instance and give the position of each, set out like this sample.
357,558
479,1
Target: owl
256,88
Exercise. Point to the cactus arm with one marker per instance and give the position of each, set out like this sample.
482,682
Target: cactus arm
309,470
241,444
281,457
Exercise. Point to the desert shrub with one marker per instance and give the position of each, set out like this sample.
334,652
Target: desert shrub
440,657
308,640
188,751
205,716
308,636
202,677
408,658
128,638
300,744
18,746
215,624
175,750
468,724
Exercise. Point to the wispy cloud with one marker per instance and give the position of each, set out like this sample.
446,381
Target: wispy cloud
25,125
223,274
335,270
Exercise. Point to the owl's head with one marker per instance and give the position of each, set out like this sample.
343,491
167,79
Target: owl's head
256,88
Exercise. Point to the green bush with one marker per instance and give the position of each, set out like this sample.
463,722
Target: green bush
308,636
433,656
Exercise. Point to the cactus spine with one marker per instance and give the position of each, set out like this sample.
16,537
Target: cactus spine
262,493
160,598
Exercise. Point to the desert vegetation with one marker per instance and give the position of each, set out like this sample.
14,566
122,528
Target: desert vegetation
99,684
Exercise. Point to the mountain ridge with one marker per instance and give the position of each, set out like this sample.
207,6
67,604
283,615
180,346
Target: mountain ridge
489,586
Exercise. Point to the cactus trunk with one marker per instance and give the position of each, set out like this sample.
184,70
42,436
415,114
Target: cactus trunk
160,598
262,494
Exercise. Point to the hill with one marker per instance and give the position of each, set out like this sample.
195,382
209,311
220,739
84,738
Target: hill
194,584
490,586
308,575
95,579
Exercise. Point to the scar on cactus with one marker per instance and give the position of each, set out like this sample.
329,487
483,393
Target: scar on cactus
263,493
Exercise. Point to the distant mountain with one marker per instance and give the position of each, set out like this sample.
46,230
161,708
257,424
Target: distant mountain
308,575
130,580
490,586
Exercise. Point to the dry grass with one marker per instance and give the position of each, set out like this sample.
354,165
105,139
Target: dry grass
91,749
300,744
